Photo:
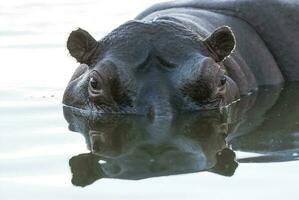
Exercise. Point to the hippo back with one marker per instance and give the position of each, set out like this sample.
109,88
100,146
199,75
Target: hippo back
276,21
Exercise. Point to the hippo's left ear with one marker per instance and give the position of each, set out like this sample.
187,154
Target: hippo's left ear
221,43
83,46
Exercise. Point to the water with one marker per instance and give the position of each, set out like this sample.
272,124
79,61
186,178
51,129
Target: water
42,159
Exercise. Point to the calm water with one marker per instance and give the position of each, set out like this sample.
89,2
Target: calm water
248,151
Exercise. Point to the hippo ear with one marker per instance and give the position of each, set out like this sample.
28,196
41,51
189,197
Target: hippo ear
83,46
221,43
85,169
226,163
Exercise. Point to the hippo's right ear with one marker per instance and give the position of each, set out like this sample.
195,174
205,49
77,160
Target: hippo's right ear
83,46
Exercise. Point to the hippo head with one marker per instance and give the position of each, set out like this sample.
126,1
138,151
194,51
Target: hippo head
156,68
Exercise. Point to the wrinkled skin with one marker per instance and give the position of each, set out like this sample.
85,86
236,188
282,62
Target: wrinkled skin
170,61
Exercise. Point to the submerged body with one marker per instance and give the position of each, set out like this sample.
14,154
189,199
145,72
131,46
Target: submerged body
185,56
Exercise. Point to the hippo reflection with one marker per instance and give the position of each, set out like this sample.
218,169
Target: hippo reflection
136,147
130,147
183,56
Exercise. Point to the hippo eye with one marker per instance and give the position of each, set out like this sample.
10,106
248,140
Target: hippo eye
93,83
222,81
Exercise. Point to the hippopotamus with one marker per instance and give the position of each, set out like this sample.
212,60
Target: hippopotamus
263,125
185,56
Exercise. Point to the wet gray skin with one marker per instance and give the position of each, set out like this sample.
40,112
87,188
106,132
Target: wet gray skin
183,56
133,70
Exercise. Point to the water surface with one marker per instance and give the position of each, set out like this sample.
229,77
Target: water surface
248,151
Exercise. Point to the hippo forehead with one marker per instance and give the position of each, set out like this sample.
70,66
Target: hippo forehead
135,41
